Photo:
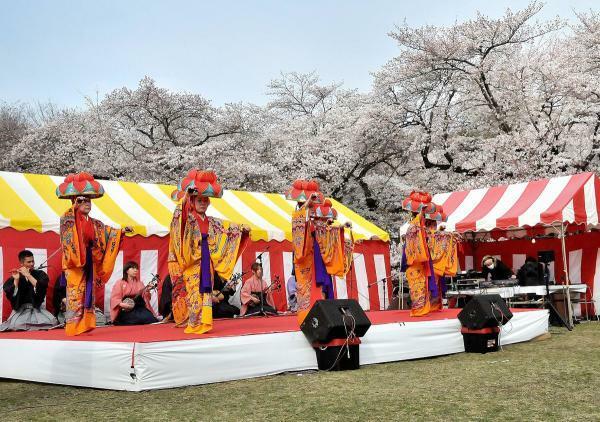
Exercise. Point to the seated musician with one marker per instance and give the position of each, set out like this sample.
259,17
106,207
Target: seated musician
26,291
253,290
130,299
494,269
59,300
220,299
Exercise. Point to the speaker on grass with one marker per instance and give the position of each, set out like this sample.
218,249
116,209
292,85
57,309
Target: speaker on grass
334,319
484,311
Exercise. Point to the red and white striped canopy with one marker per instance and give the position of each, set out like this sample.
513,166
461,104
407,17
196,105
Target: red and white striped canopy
567,199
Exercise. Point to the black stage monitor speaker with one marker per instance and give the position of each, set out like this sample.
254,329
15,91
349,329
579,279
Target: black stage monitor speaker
484,311
333,319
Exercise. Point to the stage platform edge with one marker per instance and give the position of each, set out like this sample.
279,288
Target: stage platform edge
168,364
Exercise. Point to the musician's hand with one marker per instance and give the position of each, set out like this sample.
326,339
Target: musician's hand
16,275
255,300
25,272
215,299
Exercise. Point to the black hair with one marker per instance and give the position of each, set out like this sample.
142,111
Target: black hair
25,254
530,259
255,266
128,265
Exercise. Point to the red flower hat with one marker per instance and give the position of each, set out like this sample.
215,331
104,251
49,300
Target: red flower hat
324,210
80,184
301,190
198,182
439,215
419,201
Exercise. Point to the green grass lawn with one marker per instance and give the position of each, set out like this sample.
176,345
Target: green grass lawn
554,379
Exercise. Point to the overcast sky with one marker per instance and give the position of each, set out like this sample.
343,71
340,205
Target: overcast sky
228,51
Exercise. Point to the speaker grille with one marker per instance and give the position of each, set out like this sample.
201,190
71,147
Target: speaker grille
484,311
332,319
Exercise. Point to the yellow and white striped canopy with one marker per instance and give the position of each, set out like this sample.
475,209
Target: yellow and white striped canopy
28,201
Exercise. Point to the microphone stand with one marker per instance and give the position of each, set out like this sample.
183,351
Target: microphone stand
262,296
384,280
548,301
44,264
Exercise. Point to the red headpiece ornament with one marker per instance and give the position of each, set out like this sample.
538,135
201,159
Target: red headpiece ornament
79,184
301,190
198,182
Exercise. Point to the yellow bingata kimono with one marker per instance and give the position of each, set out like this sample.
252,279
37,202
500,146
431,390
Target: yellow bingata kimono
226,242
443,248
89,251
418,271
444,253
335,255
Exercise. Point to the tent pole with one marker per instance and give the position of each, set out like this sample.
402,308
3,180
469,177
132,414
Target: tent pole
566,271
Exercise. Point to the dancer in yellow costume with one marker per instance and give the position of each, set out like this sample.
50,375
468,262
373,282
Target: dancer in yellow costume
428,256
89,250
320,247
199,247
443,249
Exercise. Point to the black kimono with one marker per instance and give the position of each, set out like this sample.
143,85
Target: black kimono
26,302
26,293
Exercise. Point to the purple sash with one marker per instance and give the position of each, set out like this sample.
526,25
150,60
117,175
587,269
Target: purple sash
321,277
431,281
205,275
88,271
403,264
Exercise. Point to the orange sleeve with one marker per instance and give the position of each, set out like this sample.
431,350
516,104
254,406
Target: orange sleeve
105,254
69,241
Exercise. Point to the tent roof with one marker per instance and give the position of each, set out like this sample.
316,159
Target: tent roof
566,199
28,201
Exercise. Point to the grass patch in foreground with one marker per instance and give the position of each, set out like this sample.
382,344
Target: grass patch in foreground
555,379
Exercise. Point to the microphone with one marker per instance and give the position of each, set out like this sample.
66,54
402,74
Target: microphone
45,263
375,282
261,254
379,281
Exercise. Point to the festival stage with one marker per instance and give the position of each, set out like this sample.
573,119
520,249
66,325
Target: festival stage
162,356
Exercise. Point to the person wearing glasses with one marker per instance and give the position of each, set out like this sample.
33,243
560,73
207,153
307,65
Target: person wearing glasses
26,291
89,249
